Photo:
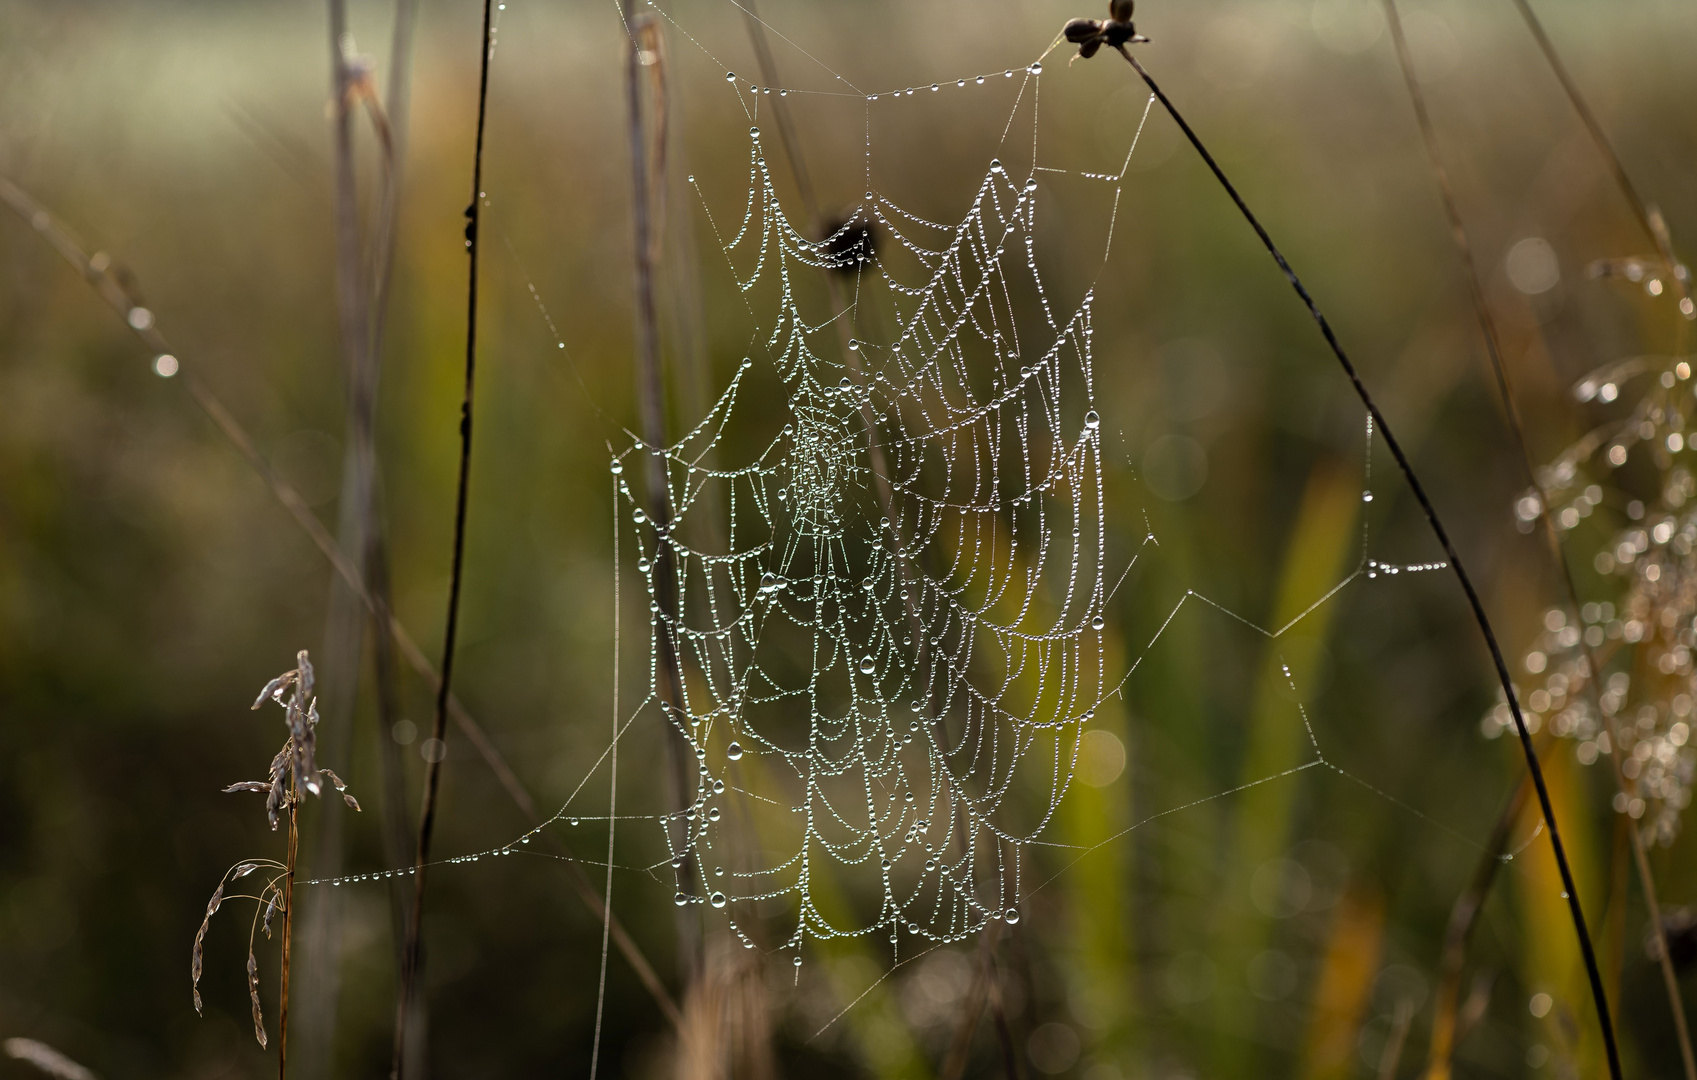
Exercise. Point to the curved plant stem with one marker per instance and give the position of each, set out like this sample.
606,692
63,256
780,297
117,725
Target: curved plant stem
1505,389
1600,998
411,982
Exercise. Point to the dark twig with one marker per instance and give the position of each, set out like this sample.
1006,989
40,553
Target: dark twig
108,287
1604,1020
411,983
1505,390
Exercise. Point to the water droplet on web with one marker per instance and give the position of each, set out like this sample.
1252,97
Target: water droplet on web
995,165
734,751
718,871
754,132
730,76
845,384
961,83
713,814
913,928
680,899
798,961
768,582
1035,69
642,565
1008,74
930,864
935,88
1098,622
616,467
980,80
868,665
718,787
638,516
717,900
1092,420
1010,916
1366,496
854,345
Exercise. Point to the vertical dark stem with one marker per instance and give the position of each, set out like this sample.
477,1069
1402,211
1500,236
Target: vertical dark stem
1505,389
412,961
1600,999
651,393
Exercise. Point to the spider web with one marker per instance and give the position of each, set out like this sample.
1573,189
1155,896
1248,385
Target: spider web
891,594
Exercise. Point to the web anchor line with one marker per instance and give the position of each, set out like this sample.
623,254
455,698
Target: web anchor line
1570,890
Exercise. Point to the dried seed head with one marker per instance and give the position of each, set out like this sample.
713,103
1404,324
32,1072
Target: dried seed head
248,785
275,688
340,786
305,670
253,995
199,942
270,910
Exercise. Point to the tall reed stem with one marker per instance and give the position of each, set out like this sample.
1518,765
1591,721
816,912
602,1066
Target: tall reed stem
411,983
1605,1020
651,393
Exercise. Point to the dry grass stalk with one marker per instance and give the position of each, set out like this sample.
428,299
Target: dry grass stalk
47,1059
106,278
293,774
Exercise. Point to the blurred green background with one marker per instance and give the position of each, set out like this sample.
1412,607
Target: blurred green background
149,583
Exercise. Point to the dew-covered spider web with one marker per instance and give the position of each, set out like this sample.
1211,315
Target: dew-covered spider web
889,539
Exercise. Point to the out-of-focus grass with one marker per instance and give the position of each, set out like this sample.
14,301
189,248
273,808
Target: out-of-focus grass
145,577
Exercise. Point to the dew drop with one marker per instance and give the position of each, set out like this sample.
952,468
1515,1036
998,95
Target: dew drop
913,928
718,787
713,814
1366,496
718,871
1008,74
717,900
854,345
1092,420
642,565
734,751
980,80
680,899
616,467
165,365
754,132
995,165
798,961
1097,623
638,516
935,88
1010,916
868,665
961,83
1035,69
730,76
